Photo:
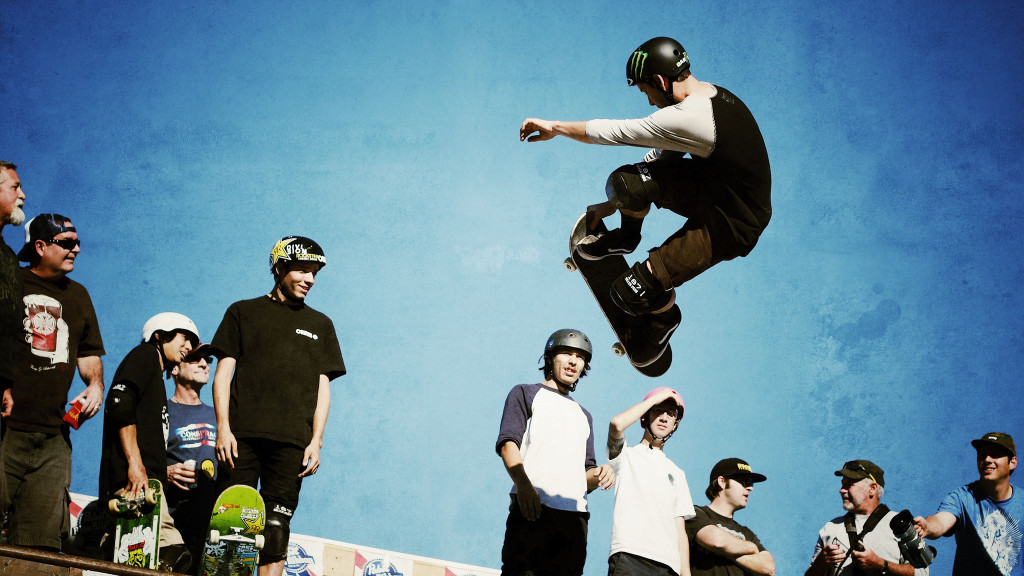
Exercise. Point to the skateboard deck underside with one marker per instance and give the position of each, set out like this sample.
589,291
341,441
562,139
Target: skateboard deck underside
137,538
599,275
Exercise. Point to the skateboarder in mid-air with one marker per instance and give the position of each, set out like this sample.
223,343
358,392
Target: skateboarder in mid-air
723,188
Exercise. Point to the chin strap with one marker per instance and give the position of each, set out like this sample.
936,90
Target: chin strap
662,440
571,387
650,430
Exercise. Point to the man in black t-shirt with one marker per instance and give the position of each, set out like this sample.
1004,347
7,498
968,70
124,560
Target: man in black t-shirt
60,334
720,546
135,423
275,347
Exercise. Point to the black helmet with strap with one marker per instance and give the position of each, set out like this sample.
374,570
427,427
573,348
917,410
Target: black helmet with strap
567,339
659,55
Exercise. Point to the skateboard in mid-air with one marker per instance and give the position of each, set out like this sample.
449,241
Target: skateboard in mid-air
235,536
599,275
137,526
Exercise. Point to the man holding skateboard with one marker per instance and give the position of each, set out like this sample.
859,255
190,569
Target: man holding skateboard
546,442
723,188
135,423
271,347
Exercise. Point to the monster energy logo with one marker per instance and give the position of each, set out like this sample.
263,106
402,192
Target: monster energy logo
636,65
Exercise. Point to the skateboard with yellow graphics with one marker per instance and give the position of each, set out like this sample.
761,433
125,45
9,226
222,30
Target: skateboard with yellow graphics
599,275
137,526
235,536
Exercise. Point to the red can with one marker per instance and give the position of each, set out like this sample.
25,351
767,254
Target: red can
72,417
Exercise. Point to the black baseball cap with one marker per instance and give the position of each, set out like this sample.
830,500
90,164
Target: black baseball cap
731,467
42,227
1000,439
201,351
861,469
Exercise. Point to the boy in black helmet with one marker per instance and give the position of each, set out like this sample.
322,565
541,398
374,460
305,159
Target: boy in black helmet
723,188
546,442
268,342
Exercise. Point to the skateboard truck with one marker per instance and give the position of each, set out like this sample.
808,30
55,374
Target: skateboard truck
237,536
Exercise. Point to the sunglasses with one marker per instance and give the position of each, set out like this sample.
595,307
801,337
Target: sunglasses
744,480
65,243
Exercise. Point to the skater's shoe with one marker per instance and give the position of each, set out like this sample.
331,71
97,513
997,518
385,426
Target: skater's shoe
611,243
648,347
638,292
175,558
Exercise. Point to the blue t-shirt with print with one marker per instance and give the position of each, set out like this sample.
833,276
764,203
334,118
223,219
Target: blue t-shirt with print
988,533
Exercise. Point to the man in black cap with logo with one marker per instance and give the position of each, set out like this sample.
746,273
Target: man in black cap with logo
60,334
986,516
272,390
875,549
720,546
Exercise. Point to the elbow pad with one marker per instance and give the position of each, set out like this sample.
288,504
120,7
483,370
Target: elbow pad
121,404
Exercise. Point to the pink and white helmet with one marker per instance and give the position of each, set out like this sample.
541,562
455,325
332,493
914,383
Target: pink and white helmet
675,395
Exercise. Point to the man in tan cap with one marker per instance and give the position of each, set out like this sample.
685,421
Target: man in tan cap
861,541
986,516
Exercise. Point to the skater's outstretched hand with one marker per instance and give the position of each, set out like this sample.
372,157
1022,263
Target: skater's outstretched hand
537,130
598,212
545,130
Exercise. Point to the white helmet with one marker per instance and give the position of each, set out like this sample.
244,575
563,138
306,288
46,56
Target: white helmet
170,322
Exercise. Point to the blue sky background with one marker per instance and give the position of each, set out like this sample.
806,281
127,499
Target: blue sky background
879,316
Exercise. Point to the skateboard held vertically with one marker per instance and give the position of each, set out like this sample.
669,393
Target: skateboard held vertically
235,535
599,275
137,526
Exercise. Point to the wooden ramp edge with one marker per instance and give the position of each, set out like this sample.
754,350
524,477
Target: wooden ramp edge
21,561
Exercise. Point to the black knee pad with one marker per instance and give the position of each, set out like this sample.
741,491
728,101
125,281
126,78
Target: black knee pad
275,538
631,187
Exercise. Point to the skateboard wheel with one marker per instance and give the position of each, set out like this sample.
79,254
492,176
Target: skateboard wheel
214,536
258,541
114,505
618,349
150,496
570,265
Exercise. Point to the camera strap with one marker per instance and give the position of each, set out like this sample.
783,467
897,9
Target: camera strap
850,523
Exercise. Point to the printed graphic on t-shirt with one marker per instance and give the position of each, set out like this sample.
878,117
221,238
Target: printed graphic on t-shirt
167,422
196,435
46,331
735,533
1002,539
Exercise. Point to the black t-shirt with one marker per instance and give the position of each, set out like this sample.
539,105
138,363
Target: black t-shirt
740,178
704,562
137,396
61,327
280,353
